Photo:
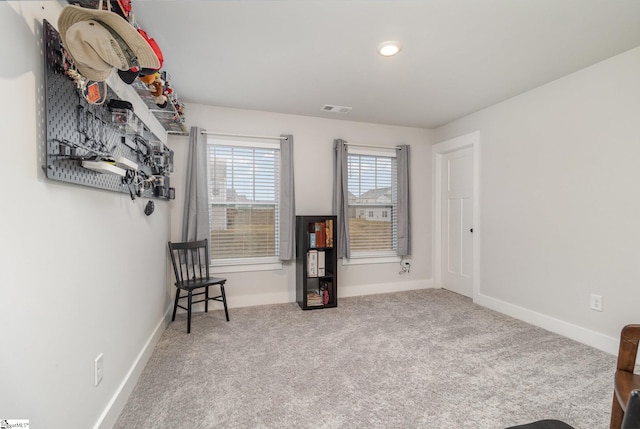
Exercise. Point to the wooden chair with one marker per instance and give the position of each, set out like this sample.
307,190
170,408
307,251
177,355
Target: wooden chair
625,379
191,267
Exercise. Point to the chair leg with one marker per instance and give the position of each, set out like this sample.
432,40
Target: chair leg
175,304
617,414
206,299
189,312
224,301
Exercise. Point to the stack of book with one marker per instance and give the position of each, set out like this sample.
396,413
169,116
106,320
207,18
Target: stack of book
314,299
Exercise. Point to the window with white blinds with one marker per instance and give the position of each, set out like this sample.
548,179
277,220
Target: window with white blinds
372,184
244,183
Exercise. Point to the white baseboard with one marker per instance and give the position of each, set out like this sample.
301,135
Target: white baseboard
237,301
371,289
120,397
561,327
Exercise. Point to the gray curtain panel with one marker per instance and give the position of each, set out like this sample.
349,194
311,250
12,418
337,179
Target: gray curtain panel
404,219
287,200
195,219
341,198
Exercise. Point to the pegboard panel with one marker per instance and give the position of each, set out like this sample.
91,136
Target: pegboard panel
80,132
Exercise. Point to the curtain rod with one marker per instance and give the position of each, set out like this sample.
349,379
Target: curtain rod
241,135
371,146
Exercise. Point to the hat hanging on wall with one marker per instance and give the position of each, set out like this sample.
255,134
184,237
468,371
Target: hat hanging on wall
99,40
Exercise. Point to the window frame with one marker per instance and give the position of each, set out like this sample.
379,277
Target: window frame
254,263
373,257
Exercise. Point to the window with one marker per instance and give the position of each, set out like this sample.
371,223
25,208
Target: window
372,184
244,183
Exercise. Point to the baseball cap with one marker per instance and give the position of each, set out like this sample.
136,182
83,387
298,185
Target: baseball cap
128,76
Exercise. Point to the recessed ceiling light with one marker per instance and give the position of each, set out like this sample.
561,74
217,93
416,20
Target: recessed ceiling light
390,48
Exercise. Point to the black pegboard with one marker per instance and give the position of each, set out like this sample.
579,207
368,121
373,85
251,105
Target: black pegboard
77,130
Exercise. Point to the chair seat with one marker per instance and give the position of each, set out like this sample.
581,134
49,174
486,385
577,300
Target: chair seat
198,283
625,382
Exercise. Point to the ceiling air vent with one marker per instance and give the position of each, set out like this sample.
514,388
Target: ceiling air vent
336,109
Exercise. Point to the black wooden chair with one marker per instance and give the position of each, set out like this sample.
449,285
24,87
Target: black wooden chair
191,267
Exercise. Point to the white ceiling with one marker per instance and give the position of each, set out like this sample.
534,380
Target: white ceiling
458,56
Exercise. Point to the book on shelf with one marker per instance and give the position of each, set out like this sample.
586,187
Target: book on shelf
329,232
319,228
313,235
321,263
312,263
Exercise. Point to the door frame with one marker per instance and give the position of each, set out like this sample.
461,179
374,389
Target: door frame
438,150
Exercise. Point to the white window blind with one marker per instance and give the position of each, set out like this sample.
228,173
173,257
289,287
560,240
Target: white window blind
372,184
244,183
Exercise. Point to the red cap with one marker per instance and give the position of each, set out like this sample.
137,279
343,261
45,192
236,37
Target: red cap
128,76
153,45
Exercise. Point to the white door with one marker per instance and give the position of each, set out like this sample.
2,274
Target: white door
457,221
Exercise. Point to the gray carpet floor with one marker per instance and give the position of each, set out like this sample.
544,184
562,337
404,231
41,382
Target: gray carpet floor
418,359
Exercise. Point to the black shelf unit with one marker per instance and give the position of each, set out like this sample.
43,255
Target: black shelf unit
316,235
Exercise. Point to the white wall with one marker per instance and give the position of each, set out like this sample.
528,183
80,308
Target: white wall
560,206
313,148
83,270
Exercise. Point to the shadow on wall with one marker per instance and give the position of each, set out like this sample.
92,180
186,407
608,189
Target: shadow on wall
14,27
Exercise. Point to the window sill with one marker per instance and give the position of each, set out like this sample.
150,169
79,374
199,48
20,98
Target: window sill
371,260
242,268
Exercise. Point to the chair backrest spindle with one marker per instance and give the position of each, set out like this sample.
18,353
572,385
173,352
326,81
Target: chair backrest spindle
190,260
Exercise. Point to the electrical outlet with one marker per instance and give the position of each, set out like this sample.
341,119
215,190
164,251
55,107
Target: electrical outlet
406,267
595,302
98,367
